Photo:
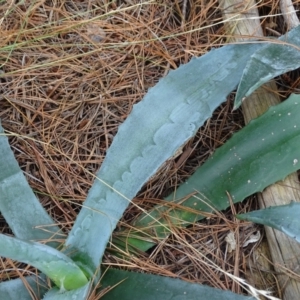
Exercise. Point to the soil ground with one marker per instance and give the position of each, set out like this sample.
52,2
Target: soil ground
71,72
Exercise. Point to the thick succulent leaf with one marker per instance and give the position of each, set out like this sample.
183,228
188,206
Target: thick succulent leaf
16,289
283,217
78,294
18,204
263,152
272,60
57,266
167,117
132,286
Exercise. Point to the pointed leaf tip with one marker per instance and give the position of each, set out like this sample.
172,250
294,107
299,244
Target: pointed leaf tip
283,217
271,60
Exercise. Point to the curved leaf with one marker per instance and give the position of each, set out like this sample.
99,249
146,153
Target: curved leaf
58,267
132,286
168,116
18,204
263,152
16,289
282,217
268,62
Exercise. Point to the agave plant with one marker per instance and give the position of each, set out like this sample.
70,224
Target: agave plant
176,107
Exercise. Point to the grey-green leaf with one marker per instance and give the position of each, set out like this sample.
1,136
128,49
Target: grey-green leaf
18,204
16,289
57,266
137,286
272,60
167,117
283,217
263,152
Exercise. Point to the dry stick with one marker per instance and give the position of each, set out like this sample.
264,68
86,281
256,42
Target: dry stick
289,13
285,251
